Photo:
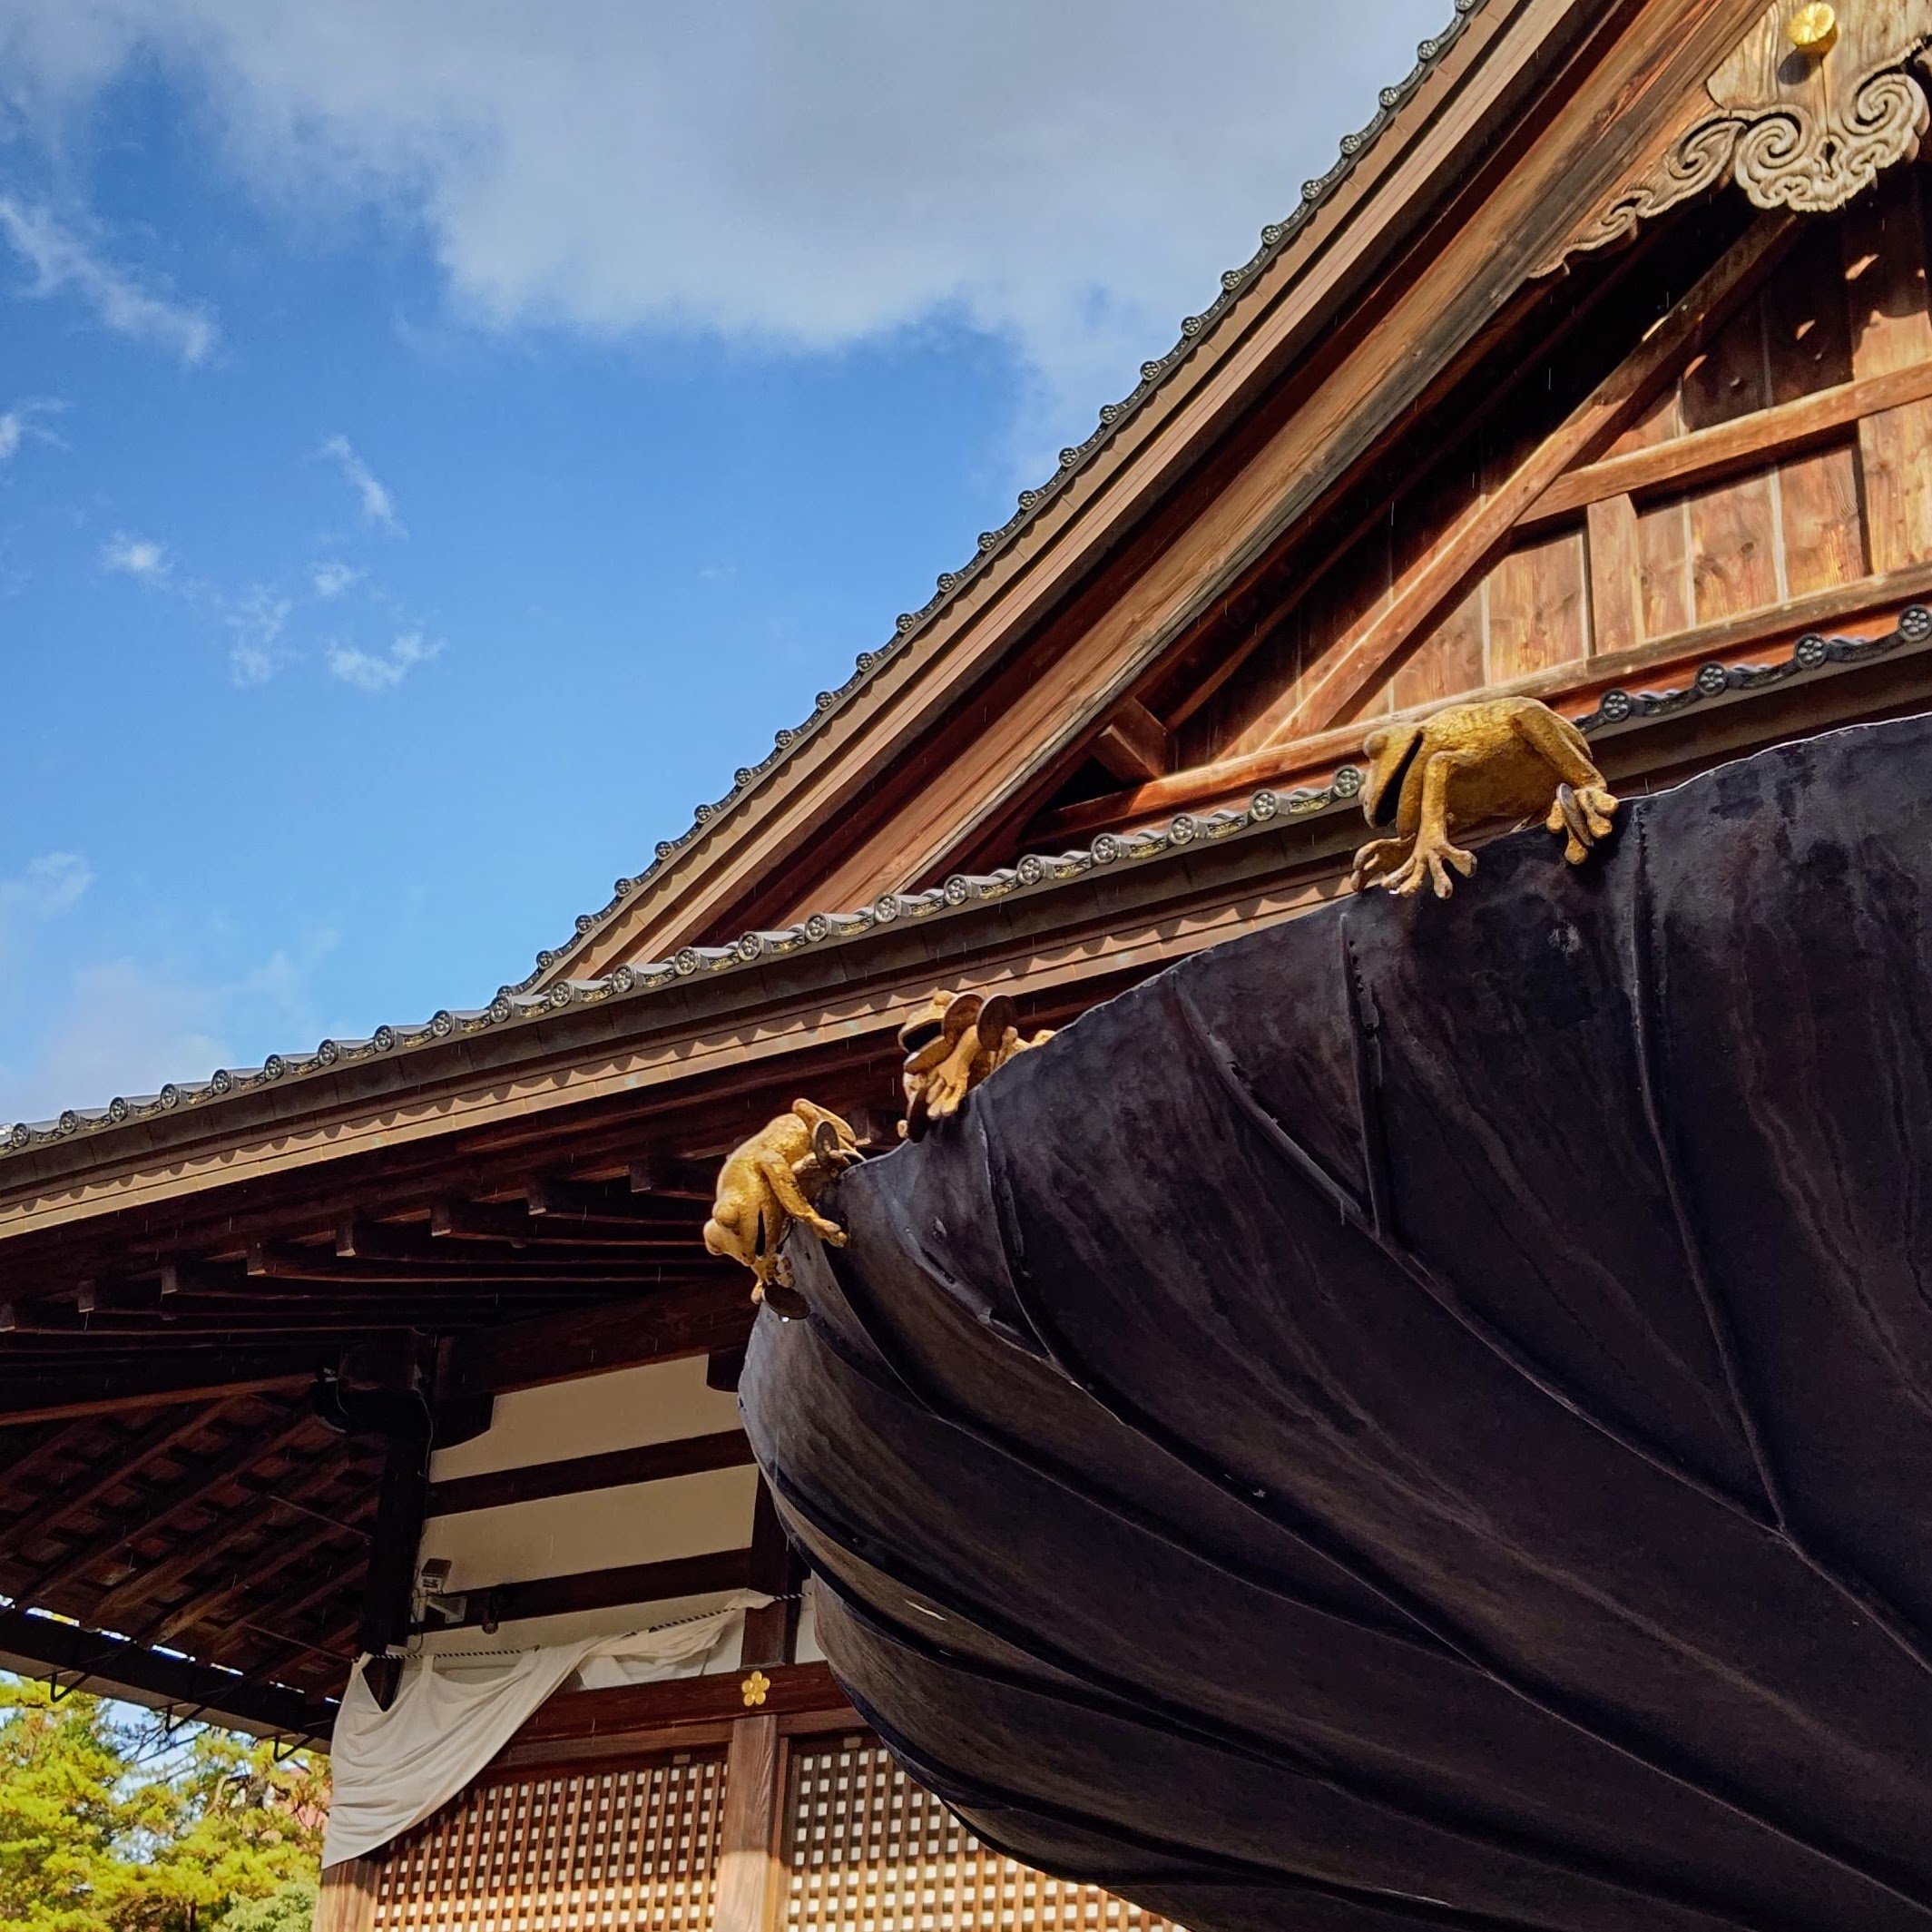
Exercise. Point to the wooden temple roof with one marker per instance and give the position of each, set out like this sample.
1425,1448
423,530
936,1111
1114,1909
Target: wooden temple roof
1107,742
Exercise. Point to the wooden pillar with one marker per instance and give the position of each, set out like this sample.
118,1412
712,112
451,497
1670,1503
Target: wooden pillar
748,1834
346,1898
400,1507
772,1634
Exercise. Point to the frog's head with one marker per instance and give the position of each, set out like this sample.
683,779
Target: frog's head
1390,751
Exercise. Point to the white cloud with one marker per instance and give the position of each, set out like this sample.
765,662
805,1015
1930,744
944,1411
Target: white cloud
377,505
62,260
135,556
1072,177
254,621
48,887
331,580
120,1030
21,424
119,1026
367,672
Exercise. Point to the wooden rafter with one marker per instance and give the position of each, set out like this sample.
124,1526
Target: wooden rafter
651,1328
147,1581
124,1461
1361,658
193,1489
264,1565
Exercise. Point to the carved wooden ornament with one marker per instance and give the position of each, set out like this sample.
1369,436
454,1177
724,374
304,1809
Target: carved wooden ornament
1797,129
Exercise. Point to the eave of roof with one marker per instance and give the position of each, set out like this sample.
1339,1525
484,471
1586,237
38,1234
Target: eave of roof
825,932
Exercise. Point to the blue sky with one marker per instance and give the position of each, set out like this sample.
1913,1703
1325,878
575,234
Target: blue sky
441,440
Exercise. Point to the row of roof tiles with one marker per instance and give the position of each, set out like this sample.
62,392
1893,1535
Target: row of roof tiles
519,1005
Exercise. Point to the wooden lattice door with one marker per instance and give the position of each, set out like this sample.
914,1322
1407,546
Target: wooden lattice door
627,1850
866,1849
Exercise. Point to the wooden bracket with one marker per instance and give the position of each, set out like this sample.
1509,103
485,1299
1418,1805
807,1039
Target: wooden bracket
1133,745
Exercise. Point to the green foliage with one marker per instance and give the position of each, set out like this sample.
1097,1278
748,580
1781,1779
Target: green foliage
109,1825
289,1907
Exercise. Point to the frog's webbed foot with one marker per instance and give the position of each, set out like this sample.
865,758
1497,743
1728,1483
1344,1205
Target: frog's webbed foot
1581,818
1376,858
1429,863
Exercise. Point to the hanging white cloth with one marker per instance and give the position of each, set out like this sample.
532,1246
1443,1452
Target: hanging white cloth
451,1715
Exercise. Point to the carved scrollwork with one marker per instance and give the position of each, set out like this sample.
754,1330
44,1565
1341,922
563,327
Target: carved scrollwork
1794,129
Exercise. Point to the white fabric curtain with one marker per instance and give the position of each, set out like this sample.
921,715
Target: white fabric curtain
452,1714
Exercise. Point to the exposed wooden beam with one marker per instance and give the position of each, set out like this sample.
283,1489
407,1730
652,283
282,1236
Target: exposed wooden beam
116,1465
31,1455
610,1246
662,1326
552,1200
147,1581
262,1564
44,1396
447,1271
1663,661
770,1633
748,1828
1355,663
190,1491
654,1462
673,1179
511,1222
795,1688
331,1581
1134,744
88,1659
292,1317
1705,455
637,1582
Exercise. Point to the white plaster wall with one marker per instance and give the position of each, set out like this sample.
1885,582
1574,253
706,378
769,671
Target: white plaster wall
529,1633
810,1649
601,1529
660,1402
683,1515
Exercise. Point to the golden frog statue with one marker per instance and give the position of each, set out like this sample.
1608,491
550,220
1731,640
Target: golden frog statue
1501,757
951,1047
768,1182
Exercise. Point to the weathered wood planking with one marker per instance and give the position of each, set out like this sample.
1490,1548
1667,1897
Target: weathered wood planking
1885,272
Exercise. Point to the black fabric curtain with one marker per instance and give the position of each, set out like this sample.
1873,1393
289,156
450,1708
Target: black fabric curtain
1422,1415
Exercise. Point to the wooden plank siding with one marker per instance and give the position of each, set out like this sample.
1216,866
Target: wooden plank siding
1788,458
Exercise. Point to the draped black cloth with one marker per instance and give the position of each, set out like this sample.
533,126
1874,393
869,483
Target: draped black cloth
1422,1415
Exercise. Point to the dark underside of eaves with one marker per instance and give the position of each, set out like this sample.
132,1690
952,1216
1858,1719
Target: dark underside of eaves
1422,1415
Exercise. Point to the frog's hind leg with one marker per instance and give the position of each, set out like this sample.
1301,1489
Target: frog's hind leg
779,1177
1585,805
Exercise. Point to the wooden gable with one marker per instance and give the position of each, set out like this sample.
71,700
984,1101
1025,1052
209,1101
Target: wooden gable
1777,458
1425,256
1447,442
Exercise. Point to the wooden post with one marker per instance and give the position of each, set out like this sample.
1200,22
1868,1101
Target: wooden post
399,1510
747,1866
345,1902
770,1633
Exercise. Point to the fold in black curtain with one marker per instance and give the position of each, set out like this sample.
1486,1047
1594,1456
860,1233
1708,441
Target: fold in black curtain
1422,1415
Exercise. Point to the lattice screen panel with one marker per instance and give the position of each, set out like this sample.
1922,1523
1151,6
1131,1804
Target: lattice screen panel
632,1850
867,1851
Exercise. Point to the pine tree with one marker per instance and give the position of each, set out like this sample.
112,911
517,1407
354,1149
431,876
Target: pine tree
109,1824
